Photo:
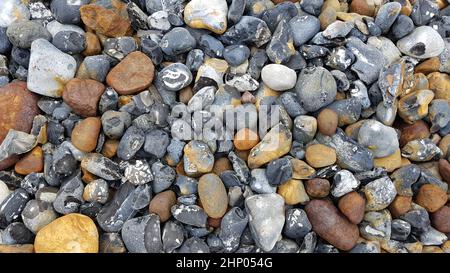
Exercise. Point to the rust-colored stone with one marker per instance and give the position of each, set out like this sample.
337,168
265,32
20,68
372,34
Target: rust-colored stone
83,95
32,162
400,205
105,21
317,187
409,132
444,170
431,197
93,46
352,205
162,203
133,74
85,134
441,219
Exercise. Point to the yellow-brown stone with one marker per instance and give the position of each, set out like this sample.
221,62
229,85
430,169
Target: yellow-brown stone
222,164
162,203
213,195
85,134
110,147
293,192
440,84
32,162
71,233
245,139
28,248
428,66
301,170
105,21
391,162
319,155
93,46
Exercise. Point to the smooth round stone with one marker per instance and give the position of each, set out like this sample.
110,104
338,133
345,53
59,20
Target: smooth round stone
70,42
177,41
175,77
207,14
266,218
304,27
50,69
162,203
382,140
315,88
431,197
211,46
245,139
38,214
67,11
114,123
424,42
387,14
12,11
305,128
21,56
23,33
327,122
278,77
236,10
312,6
319,155
236,54
317,187
293,192
72,233
213,195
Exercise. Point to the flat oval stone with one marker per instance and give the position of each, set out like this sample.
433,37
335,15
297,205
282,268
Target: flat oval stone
85,134
177,41
49,69
278,77
424,42
133,74
332,226
213,195
207,14
72,233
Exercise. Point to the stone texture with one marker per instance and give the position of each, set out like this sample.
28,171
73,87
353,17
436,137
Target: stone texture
83,96
104,21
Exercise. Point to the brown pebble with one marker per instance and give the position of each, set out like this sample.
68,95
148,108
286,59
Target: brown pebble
428,66
431,197
245,139
390,162
363,7
400,205
327,122
293,192
444,170
242,154
87,176
105,21
319,155
93,46
185,94
331,225
409,132
214,222
213,195
317,187
162,203
441,219
110,147
444,145
326,17
133,74
83,95
222,164
32,162
85,134
440,84
352,205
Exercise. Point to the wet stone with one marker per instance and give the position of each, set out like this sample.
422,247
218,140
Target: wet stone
248,30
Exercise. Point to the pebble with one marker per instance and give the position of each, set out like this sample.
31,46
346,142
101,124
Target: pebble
83,96
163,176
101,166
72,233
177,41
16,234
49,69
352,205
12,11
440,219
365,66
70,42
133,74
315,88
111,243
175,77
189,214
386,15
418,43
69,196
236,55
138,172
104,21
259,182
16,143
293,192
421,150
297,225
379,194
23,33
85,134
231,228
329,224
38,214
96,191
213,195
317,187
66,11
32,162
211,15
142,234
327,122
162,203
431,197
319,155
248,30
130,143
343,183
382,140
266,218
278,77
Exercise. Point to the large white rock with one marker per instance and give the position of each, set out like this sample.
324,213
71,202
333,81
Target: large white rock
49,69
278,77
266,218
423,43
11,11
